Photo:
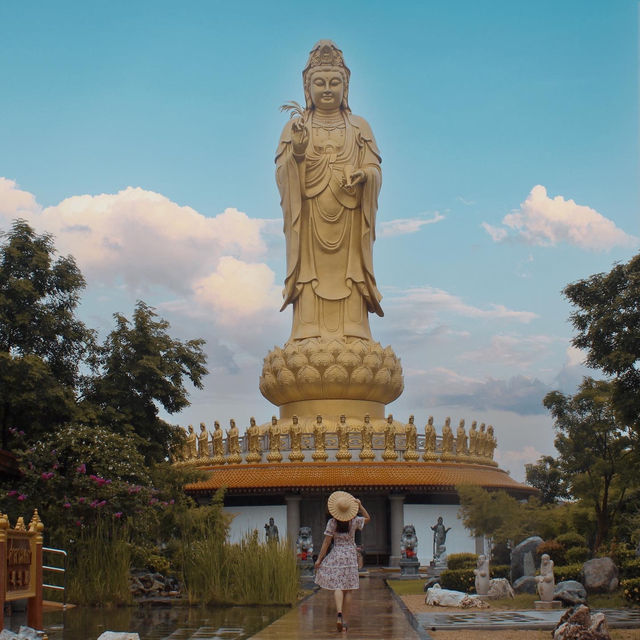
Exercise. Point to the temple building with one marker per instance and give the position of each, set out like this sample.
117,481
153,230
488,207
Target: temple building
332,381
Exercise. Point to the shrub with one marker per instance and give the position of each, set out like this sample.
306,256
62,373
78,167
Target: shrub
574,555
500,571
501,554
631,569
462,561
619,552
571,539
554,549
568,572
458,580
631,590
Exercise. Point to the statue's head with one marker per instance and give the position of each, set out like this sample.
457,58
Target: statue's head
482,427
252,421
190,428
411,419
343,418
367,418
274,420
448,421
390,418
331,87
461,424
295,419
216,425
490,430
202,427
319,419
473,424
430,421
271,521
232,423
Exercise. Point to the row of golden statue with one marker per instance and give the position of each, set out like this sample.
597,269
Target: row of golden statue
477,446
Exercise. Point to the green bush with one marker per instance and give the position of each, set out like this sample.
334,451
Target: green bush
568,572
500,571
500,554
553,549
631,590
619,552
458,579
631,568
462,561
571,539
574,555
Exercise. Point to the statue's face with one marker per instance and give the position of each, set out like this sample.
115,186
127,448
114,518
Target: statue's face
327,89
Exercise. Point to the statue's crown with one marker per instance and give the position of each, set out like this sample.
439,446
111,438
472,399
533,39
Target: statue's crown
325,53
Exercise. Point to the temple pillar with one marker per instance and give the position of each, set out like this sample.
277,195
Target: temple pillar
293,516
396,511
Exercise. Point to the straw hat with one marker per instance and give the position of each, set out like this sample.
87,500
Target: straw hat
342,506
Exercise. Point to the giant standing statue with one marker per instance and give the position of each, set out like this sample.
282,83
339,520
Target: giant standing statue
328,174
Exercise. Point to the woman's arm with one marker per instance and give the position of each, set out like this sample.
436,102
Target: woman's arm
323,551
363,511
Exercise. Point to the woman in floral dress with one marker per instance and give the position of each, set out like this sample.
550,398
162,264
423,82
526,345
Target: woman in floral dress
338,570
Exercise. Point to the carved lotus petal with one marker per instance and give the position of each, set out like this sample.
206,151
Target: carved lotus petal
336,373
290,349
359,347
321,359
334,347
277,363
372,360
362,375
308,375
397,381
382,377
348,359
296,360
286,377
309,346
376,347
389,362
388,352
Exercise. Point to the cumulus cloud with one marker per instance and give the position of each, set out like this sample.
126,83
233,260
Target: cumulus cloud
514,458
511,350
15,203
546,221
403,226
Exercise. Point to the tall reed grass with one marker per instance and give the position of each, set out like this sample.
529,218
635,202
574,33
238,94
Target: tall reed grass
99,566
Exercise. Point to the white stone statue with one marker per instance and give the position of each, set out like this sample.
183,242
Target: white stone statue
546,580
482,575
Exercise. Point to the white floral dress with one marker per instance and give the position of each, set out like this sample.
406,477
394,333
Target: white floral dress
339,569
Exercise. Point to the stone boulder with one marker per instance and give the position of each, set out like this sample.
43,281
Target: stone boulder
570,593
600,575
579,624
524,560
526,584
500,588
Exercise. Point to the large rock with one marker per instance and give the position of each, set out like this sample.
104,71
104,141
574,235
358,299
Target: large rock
570,593
600,575
526,584
579,624
524,560
500,588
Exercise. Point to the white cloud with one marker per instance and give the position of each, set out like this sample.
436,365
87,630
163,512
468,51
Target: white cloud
575,356
403,226
15,203
526,455
546,221
511,350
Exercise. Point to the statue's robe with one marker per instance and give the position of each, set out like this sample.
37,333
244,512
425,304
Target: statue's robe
330,232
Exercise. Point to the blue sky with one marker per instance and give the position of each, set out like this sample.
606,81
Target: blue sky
509,136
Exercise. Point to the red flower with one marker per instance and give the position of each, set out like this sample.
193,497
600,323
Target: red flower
82,468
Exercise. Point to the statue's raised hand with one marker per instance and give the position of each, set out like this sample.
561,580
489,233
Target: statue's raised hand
354,178
299,136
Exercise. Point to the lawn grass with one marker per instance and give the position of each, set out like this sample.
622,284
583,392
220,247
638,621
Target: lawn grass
406,587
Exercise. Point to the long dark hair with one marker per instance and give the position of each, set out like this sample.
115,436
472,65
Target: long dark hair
342,526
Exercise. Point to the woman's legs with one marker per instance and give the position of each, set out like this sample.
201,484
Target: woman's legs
346,603
338,594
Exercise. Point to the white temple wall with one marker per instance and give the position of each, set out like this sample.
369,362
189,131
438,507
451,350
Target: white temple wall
424,516
255,517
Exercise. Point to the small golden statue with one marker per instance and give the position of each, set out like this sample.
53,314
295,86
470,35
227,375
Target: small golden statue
295,437
253,438
191,444
430,442
492,443
217,438
481,443
233,444
461,441
389,440
343,440
274,454
411,436
447,441
319,436
203,442
367,453
473,439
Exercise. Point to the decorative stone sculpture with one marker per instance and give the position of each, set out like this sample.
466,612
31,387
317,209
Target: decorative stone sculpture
203,442
411,436
429,441
295,437
409,542
579,624
481,442
217,438
473,439
191,444
461,440
233,443
304,544
271,531
389,440
447,440
319,437
491,443
274,454
253,437
367,440
436,596
482,575
343,440
439,540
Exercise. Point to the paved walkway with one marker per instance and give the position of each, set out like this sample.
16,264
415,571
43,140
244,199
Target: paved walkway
375,613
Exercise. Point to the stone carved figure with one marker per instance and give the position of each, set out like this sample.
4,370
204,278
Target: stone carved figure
492,443
461,440
203,442
217,438
546,581
343,439
411,437
409,542
233,443
320,440
304,544
447,440
275,444
271,531
253,438
482,575
481,443
191,444
429,441
328,174
473,439
389,440
295,437
367,440
439,538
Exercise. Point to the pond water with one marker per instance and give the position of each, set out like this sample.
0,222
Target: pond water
156,623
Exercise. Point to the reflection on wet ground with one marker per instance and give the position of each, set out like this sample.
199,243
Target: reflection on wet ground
156,623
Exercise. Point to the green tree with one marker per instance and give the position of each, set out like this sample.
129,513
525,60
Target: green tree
547,476
608,325
42,343
141,367
595,450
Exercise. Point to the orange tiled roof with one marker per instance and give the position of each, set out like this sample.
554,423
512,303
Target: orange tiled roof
421,476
